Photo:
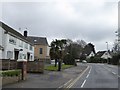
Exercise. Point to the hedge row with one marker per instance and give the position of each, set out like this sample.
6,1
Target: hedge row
10,73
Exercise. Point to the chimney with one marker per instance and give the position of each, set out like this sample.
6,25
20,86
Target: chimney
25,33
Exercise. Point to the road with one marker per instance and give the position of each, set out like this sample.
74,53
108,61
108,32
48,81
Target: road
94,76
98,76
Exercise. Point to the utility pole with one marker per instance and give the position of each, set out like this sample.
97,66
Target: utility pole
107,51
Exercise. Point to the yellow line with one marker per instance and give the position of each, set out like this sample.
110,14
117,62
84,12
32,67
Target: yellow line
77,78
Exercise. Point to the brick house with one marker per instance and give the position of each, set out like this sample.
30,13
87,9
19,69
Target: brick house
41,48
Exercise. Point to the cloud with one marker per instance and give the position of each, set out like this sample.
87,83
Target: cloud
91,21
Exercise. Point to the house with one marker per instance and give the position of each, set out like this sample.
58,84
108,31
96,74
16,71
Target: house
103,54
106,55
14,45
41,48
91,54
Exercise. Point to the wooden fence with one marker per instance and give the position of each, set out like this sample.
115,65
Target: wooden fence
32,66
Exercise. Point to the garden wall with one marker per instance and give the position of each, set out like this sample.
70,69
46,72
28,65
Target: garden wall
35,66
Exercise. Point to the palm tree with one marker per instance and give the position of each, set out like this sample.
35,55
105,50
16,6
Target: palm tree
56,51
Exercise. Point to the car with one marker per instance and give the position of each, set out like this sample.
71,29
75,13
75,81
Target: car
84,61
53,62
77,60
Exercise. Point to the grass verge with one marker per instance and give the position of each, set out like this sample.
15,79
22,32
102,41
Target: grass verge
53,68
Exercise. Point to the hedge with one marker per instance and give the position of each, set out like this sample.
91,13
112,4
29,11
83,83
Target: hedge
10,73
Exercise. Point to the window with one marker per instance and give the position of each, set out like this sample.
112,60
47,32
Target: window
9,54
41,50
20,43
26,45
12,40
31,48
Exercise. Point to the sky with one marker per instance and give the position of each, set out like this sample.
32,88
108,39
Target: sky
94,21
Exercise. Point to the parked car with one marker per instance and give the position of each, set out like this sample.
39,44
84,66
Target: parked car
84,61
53,62
77,60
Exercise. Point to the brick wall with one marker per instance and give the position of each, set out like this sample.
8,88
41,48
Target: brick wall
35,66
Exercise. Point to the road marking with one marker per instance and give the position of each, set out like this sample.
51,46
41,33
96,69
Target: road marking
68,82
87,75
69,86
83,83
90,69
113,73
65,83
118,76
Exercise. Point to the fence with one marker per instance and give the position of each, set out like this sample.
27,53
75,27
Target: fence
8,64
32,66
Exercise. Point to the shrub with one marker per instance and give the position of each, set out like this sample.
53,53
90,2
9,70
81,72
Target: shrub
115,59
96,60
69,60
10,73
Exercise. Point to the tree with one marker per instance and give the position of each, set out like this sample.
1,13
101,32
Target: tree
73,51
54,51
87,50
57,50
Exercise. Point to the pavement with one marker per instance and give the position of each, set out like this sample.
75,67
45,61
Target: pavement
50,79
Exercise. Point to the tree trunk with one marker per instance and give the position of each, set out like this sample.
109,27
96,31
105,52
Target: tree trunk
59,65
55,62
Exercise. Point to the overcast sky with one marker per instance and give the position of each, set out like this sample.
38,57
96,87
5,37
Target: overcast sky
93,21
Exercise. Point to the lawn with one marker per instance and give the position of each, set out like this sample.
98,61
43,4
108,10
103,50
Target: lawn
53,68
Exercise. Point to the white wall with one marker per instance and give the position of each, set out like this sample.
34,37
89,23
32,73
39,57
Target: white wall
10,47
3,42
48,50
0,42
106,55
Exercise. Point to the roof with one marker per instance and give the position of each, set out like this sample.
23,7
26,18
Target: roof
100,53
38,40
13,32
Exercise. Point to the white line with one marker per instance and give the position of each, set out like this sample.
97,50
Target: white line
90,70
87,75
113,73
83,83
118,76
69,86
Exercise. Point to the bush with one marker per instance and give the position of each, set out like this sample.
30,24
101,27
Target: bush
68,60
115,59
10,73
96,60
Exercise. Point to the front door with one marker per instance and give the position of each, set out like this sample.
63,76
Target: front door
16,53
28,56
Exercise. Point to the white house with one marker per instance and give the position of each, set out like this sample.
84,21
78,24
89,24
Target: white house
91,54
14,45
106,55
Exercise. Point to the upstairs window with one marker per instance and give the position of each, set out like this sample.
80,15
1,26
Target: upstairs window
31,48
20,43
12,40
26,45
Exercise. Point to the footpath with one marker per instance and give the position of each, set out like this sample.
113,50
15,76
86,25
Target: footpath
50,79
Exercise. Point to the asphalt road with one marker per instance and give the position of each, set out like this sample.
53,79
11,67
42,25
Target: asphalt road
98,76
